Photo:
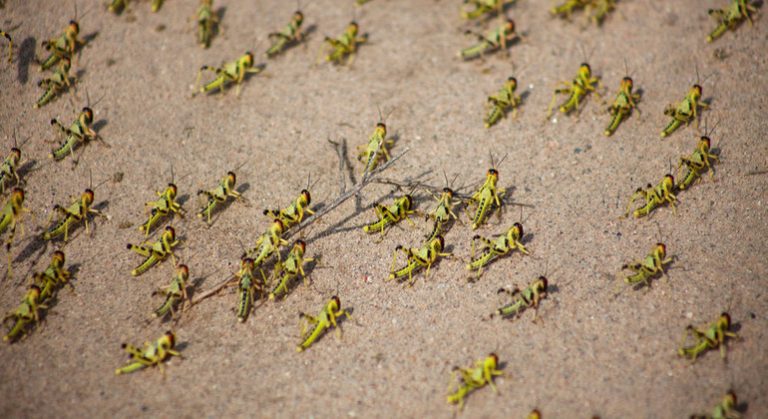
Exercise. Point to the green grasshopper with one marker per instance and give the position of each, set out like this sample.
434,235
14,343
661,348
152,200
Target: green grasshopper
69,217
65,45
117,6
472,379
601,9
577,90
346,45
292,267
219,195
566,9
247,286
152,354
10,44
654,196
483,7
685,111
648,268
156,252
54,84
80,132
163,206
712,338
622,107
696,163
418,258
485,197
491,41
175,293
730,17
231,72
386,216
8,170
10,218
726,409
207,21
529,297
268,243
377,147
491,250
293,214
324,321
26,313
291,34
442,213
53,277
502,102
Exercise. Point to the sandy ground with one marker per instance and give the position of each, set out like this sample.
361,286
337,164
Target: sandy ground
589,352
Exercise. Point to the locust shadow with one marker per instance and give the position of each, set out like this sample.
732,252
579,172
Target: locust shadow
26,57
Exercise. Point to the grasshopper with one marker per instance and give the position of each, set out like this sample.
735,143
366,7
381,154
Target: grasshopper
601,9
175,293
472,379
54,84
399,210
165,204
327,318
53,277
292,267
69,217
117,6
566,9
730,17
291,34
247,286
648,268
418,258
654,196
685,111
231,72
713,337
726,409
442,213
502,102
152,354
207,21
13,210
483,7
8,170
345,46
80,132
535,414
529,297
10,44
491,250
491,41
156,252
377,147
64,46
293,214
26,313
577,90
485,197
219,195
268,243
622,107
696,163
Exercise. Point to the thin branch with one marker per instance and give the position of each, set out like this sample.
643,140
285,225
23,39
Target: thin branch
341,151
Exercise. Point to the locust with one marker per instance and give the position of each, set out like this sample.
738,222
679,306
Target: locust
577,90
286,271
27,313
72,215
80,132
288,36
491,41
601,8
156,252
484,7
65,46
293,214
521,300
654,196
644,270
390,215
231,72
376,148
10,44
566,9
268,243
699,161
327,318
473,378
442,213
207,21
160,208
219,195
154,353
346,45
247,287
726,409
622,107
491,250
10,218
684,111
175,293
502,102
417,259
713,337
731,17
117,6
53,277
54,84
9,170
485,197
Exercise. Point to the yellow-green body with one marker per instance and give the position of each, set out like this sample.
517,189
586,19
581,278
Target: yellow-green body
175,293
472,379
484,7
54,84
290,34
79,132
219,195
160,208
442,214
376,148
521,300
712,338
577,90
599,9
231,72
502,245
565,9
117,6
622,106
391,215
502,102
246,289
685,111
71,216
293,214
324,321
156,252
25,314
346,45
417,259
152,354
491,41
207,20
648,268
699,161
268,244
730,17
485,197
12,211
286,271
8,173
53,277
653,196
64,46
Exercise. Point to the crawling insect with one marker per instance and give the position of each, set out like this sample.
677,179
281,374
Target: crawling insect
175,293
291,268
117,6
472,379
8,170
54,84
485,197
152,354
483,7
696,163
726,409
162,207
491,41
327,318
399,210
293,214
268,243
529,297
231,72
502,102
346,45
685,111
713,337
10,218
577,90
219,195
10,44
377,147
69,217
566,9
491,250
291,34
622,107
247,286
80,132
654,196
26,313
65,45
156,252
730,17
601,8
648,268
418,258
207,20
53,277
442,213
535,414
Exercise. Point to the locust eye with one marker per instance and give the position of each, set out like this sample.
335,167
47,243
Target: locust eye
493,172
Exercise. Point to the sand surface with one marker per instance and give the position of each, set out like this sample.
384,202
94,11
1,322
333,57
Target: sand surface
589,352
